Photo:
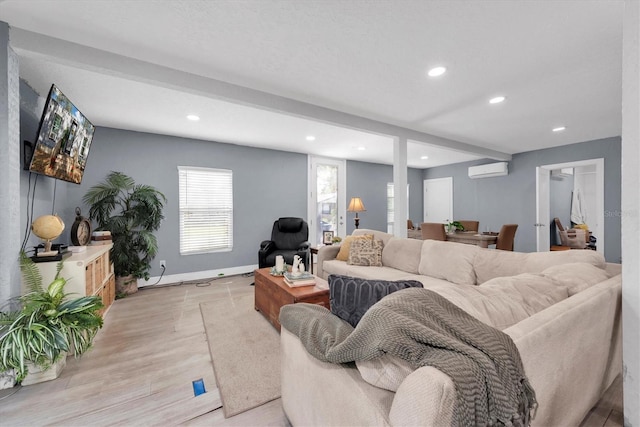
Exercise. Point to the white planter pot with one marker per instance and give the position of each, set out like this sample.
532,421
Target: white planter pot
7,379
37,375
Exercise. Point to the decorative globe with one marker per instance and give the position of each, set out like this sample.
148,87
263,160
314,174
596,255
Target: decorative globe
48,227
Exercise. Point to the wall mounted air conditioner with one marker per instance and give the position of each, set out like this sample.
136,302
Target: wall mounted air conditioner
489,170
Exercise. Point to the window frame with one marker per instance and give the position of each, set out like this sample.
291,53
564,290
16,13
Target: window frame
220,206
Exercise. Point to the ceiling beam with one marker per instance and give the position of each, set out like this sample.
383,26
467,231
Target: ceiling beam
31,44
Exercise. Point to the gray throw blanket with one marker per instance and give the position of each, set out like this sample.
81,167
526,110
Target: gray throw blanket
425,329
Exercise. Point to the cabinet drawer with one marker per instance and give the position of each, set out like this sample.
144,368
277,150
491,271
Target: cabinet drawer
88,279
99,274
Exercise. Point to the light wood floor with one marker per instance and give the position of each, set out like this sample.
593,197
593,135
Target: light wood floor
142,365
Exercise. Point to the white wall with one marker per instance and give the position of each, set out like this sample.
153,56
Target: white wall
631,212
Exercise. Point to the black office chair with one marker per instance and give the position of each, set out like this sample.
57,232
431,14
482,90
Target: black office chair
289,237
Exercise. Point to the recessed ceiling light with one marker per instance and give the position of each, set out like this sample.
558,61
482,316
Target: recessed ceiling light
437,71
193,117
497,100
310,138
558,129
424,157
361,148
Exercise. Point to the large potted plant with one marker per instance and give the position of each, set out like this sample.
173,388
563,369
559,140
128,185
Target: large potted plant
46,327
131,212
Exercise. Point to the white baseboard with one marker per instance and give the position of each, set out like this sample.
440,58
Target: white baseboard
196,275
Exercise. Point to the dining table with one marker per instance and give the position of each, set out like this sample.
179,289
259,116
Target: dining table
473,238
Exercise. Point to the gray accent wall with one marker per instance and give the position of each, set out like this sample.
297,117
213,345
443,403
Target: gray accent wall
267,184
512,198
369,182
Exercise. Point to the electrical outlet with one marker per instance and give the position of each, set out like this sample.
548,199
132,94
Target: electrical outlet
163,264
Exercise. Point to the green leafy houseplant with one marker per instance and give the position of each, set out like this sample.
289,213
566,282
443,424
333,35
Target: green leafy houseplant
454,226
48,325
131,212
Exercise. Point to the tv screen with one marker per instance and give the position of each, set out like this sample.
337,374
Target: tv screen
64,138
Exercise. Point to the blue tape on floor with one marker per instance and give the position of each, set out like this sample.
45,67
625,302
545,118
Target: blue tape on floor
198,387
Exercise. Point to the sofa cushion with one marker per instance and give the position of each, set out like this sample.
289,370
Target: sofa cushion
365,252
402,254
351,297
504,301
501,303
491,263
576,276
450,261
345,246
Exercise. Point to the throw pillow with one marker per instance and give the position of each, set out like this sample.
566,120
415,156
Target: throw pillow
351,297
343,254
366,252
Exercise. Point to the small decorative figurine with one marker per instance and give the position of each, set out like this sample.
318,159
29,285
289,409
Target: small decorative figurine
295,267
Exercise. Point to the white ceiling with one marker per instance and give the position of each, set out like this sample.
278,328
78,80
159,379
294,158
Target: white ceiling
144,65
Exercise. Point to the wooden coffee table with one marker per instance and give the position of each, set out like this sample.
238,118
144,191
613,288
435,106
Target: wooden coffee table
271,293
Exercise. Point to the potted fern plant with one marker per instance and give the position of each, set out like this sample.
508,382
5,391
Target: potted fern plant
131,212
48,325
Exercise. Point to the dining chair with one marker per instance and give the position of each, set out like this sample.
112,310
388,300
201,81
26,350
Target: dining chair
470,225
409,224
433,231
506,237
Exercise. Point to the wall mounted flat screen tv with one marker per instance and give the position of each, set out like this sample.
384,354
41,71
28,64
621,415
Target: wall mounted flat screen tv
64,138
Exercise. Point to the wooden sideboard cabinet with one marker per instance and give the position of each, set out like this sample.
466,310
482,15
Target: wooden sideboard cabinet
87,273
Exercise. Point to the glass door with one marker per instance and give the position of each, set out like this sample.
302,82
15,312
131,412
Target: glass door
327,201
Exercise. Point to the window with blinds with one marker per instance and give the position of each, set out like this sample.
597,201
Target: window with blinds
206,210
390,209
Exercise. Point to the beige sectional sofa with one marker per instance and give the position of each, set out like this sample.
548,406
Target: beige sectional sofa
561,309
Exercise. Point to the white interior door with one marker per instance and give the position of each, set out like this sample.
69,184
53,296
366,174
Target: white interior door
327,198
438,199
542,210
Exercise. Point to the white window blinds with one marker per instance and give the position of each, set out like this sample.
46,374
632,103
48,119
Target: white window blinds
390,206
206,210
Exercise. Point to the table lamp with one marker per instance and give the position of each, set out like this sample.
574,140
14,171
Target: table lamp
356,205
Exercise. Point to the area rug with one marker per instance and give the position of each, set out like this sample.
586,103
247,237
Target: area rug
245,350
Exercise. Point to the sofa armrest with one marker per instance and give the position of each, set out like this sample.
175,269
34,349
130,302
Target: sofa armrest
571,352
304,246
326,253
316,393
426,397
613,269
265,245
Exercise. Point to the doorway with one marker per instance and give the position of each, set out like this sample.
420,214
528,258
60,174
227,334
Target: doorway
327,198
594,189
438,200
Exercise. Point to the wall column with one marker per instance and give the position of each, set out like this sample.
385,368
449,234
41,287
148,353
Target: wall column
400,198
631,212
10,170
